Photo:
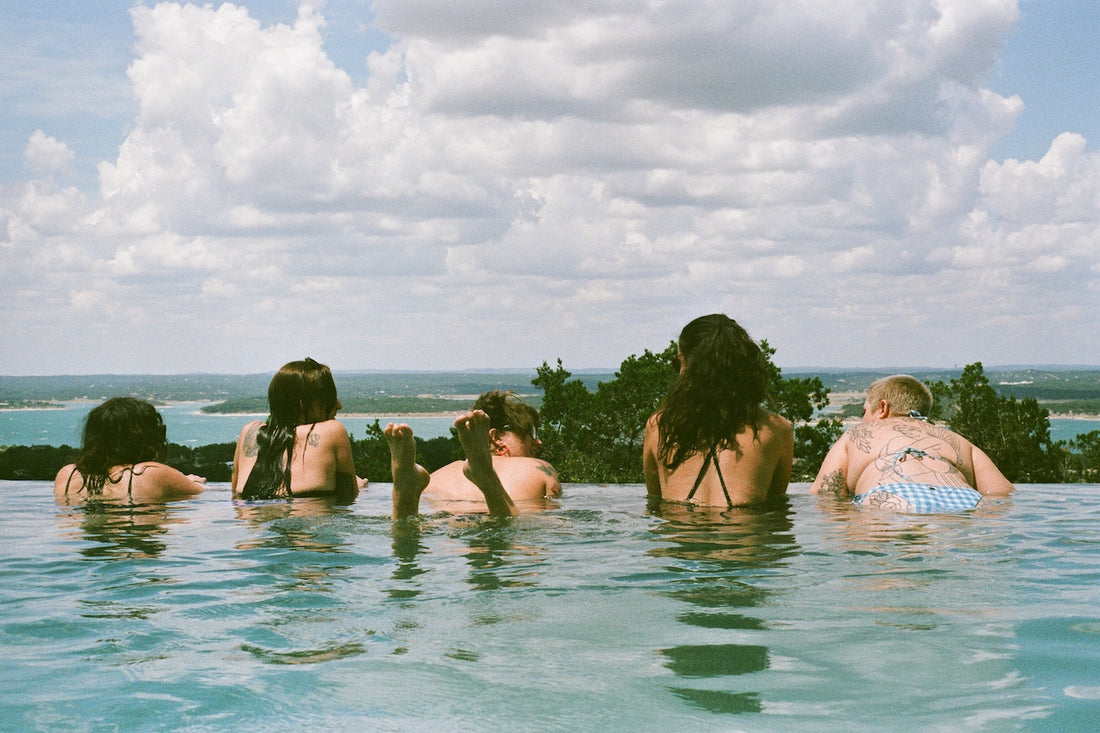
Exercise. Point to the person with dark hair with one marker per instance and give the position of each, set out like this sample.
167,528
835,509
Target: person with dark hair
711,443
500,439
302,450
122,448
896,459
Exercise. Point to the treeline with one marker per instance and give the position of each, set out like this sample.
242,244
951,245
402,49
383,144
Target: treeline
592,433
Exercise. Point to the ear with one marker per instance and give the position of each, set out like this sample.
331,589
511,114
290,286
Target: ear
496,444
881,410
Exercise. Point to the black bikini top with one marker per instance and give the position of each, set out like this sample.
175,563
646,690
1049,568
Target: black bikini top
711,456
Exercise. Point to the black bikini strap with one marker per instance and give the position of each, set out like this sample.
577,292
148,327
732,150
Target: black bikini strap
712,455
702,473
70,479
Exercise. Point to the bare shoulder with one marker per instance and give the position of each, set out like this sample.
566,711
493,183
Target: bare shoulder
162,481
328,429
776,423
67,479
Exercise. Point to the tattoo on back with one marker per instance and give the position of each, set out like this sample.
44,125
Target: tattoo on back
860,435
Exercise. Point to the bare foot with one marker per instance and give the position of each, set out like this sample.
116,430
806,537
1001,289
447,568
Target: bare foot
409,478
473,434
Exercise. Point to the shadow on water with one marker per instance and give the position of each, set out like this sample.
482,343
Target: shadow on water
717,559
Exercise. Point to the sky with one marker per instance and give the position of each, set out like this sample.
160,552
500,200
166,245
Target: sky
482,184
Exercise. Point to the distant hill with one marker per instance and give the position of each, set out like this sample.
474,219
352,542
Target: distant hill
380,392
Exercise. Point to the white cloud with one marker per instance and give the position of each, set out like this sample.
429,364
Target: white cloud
515,182
45,154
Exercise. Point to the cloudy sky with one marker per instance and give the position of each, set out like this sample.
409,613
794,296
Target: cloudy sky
446,184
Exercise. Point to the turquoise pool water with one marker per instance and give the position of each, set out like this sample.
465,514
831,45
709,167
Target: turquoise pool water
211,616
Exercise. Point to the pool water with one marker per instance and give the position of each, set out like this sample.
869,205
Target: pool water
213,615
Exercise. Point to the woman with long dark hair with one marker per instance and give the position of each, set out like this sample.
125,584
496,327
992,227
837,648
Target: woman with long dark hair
711,442
302,450
120,459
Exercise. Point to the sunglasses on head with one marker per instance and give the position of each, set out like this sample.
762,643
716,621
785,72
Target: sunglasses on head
533,433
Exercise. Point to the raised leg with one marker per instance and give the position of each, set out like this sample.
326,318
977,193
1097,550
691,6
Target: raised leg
473,434
409,478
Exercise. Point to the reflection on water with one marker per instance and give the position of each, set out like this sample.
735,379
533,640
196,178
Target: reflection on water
118,530
292,524
720,557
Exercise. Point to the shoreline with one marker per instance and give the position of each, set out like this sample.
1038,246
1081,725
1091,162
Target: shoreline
71,404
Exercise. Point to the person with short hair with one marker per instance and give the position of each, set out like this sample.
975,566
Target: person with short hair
302,450
711,443
122,449
500,439
896,459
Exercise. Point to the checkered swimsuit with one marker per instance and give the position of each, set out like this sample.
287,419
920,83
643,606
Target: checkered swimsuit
926,499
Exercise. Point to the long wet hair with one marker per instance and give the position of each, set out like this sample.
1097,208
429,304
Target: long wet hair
299,391
122,431
717,393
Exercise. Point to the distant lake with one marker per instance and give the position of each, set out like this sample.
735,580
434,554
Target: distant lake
186,424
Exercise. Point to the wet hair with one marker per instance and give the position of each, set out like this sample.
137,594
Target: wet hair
120,432
717,393
902,393
297,394
508,413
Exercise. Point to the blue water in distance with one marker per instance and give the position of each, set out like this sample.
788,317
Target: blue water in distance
188,425
185,422
211,615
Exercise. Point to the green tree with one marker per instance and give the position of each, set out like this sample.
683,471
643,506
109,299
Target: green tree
597,437
372,453
1015,434
1084,456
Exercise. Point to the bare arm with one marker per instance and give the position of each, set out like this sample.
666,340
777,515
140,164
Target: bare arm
832,477
988,479
246,447
781,478
164,483
552,485
649,464
347,484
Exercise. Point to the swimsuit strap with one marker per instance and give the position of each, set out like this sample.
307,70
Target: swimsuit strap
902,454
712,455
68,480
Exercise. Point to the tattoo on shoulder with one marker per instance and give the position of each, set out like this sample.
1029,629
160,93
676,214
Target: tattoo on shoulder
547,469
314,440
250,446
860,435
835,483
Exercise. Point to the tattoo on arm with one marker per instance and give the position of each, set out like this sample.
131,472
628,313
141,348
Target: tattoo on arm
835,483
251,447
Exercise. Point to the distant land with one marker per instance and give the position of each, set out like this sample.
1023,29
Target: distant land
1062,390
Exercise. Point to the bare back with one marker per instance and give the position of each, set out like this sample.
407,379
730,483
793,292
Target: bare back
524,479
905,449
756,471
148,482
321,461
